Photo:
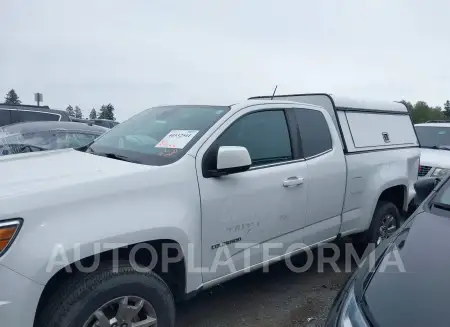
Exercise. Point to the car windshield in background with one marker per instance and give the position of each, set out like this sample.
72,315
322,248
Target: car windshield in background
434,137
158,136
442,198
14,143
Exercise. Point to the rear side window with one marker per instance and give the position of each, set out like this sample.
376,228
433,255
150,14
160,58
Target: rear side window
23,116
265,134
5,117
314,132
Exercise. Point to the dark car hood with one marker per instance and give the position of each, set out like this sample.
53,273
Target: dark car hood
419,296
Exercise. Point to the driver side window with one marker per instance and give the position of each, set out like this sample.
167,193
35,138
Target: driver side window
265,134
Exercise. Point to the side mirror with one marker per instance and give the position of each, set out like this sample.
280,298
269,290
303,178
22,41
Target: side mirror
423,188
231,160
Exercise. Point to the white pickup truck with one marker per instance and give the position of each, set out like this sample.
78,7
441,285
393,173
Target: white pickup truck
181,189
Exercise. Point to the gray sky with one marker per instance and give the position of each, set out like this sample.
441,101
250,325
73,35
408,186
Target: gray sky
141,53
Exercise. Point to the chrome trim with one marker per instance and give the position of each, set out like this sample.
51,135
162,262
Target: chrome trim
319,154
290,161
10,223
275,164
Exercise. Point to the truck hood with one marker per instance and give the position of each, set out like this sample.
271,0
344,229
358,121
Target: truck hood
415,277
39,171
435,158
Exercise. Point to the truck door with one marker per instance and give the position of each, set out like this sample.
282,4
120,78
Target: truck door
242,212
327,173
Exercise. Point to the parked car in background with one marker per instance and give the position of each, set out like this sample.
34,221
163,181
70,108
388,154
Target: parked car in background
12,114
190,182
42,136
100,122
405,281
434,140
105,122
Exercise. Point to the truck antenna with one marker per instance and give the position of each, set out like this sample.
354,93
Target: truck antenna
274,92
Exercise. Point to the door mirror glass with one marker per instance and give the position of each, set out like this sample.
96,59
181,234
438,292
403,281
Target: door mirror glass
231,160
423,188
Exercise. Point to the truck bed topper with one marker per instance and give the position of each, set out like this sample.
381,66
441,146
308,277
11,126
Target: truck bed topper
364,125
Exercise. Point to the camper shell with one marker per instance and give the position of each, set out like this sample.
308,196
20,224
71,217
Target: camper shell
363,125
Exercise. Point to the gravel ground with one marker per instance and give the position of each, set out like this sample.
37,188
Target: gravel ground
280,298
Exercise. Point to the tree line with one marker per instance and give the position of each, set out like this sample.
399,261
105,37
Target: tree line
420,111
105,111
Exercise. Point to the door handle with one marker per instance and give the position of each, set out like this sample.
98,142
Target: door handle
293,181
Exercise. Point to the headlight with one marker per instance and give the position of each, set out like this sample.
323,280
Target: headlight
439,172
351,315
8,231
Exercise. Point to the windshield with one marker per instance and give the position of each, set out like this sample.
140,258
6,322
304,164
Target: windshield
158,136
433,136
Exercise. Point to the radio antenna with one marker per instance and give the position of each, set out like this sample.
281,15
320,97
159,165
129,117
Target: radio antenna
274,92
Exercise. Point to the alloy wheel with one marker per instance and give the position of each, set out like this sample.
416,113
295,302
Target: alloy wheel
387,228
127,311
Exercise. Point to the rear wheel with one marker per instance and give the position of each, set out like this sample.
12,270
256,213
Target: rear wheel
107,298
385,222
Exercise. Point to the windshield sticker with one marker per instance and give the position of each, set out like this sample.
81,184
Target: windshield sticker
168,152
442,132
176,139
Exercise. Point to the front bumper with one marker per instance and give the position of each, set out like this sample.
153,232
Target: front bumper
19,297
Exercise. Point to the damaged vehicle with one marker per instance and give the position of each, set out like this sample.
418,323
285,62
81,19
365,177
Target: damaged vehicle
178,199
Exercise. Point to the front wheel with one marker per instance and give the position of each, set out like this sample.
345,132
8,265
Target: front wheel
107,298
385,222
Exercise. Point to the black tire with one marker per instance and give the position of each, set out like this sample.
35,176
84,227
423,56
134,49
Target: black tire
383,208
85,293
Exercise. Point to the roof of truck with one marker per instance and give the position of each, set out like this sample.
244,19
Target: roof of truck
346,102
252,102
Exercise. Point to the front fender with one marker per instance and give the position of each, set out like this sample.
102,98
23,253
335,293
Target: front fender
41,250
53,235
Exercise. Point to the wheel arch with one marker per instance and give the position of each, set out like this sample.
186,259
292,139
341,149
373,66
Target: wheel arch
175,276
397,193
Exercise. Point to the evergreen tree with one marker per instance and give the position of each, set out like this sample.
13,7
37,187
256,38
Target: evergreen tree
107,112
78,112
70,111
12,98
93,114
447,109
